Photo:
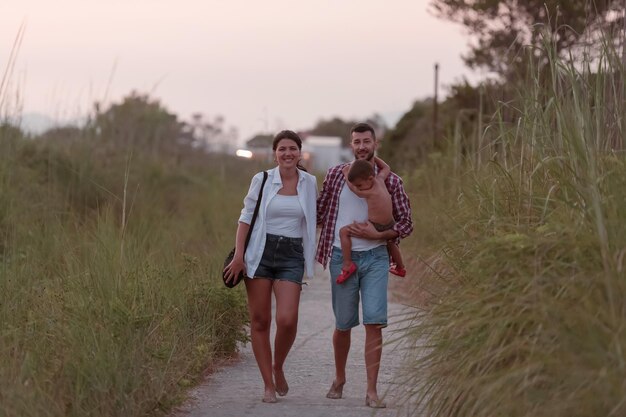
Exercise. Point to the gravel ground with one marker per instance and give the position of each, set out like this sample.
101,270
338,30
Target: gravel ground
236,390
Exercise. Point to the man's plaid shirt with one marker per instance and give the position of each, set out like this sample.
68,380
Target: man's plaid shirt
328,205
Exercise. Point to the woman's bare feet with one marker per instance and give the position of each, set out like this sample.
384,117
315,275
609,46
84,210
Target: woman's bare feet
270,395
282,388
336,390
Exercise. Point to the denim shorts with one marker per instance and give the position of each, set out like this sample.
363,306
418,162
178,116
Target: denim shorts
369,283
283,259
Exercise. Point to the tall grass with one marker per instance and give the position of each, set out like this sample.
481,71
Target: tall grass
111,301
528,314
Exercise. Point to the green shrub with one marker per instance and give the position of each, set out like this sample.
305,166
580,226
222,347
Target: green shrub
527,314
111,300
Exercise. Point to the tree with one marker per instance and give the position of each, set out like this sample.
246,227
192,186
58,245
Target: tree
210,135
9,132
260,140
410,140
66,133
139,122
339,127
333,127
502,28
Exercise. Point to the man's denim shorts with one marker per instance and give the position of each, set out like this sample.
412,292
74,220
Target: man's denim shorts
283,259
370,280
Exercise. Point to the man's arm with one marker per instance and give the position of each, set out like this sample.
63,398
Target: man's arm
366,230
322,200
401,207
325,195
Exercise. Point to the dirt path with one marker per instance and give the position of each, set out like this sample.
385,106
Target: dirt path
236,390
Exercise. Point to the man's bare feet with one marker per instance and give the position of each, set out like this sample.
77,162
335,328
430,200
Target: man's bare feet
374,402
282,388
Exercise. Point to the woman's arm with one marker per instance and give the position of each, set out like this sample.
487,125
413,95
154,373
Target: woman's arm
237,264
249,203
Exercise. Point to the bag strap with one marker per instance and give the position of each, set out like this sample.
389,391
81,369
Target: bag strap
256,211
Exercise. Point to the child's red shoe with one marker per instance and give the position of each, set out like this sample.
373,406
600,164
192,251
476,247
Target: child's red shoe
401,272
346,274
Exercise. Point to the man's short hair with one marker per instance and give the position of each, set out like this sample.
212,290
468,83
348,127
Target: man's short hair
360,169
363,127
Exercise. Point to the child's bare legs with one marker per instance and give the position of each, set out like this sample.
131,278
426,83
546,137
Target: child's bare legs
348,266
395,254
396,259
346,247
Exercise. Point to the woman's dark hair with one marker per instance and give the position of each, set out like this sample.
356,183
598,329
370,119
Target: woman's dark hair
291,135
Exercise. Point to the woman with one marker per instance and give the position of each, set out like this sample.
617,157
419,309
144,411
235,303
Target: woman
280,251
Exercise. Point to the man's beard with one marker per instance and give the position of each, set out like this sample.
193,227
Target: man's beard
368,157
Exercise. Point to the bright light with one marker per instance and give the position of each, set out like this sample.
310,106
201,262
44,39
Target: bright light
243,153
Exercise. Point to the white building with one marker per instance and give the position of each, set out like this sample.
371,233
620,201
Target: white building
322,152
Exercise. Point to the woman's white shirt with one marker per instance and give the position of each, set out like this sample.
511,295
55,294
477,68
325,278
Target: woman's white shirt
307,195
284,216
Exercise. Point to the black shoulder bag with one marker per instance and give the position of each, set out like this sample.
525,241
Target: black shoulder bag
236,280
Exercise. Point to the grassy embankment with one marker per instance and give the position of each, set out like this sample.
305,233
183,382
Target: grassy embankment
111,300
527,301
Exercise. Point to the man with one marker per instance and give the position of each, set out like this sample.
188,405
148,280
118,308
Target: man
337,206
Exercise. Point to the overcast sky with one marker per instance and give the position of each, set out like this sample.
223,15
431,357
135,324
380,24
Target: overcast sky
268,64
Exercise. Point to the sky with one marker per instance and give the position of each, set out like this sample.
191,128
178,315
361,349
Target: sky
262,65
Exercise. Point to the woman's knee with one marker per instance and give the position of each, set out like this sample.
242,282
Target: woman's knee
287,322
260,323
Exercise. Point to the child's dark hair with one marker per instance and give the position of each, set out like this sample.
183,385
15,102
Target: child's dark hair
360,169
288,134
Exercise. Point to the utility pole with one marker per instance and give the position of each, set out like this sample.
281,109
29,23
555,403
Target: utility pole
624,41
436,105
622,91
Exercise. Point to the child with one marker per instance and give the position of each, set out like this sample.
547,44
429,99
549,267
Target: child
365,184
